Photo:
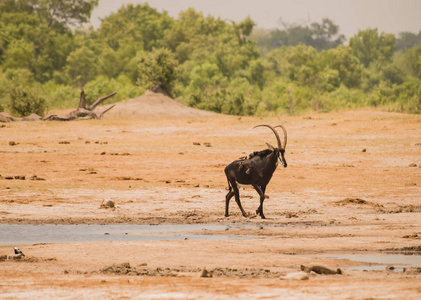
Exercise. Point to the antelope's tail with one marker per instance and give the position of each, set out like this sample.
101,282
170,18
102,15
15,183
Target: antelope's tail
229,185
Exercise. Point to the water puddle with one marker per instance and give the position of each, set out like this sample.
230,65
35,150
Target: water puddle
32,234
379,262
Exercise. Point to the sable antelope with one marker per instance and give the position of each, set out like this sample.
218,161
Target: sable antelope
255,170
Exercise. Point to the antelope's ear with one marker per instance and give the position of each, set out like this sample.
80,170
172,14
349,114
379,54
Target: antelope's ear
270,146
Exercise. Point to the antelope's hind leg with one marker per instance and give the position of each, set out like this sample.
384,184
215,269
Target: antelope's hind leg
237,197
227,201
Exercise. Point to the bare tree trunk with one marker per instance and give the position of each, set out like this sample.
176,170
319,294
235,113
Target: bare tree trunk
82,112
100,100
82,101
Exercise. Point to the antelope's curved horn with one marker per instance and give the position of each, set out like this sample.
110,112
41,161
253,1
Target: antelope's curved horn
285,135
274,131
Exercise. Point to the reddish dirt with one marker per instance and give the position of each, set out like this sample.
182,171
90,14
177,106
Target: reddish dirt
352,184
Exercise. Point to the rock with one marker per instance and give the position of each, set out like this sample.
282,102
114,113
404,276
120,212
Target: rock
412,270
126,265
35,177
289,215
4,117
296,276
121,269
320,270
32,117
415,235
206,274
352,201
108,204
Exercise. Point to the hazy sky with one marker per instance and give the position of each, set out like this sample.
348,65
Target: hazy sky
390,16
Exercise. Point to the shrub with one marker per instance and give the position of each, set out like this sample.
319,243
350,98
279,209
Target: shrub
157,69
59,96
23,103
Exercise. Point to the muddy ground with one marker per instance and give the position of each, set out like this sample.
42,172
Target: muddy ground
353,184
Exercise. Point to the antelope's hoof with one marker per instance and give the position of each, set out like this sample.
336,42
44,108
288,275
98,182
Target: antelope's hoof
263,217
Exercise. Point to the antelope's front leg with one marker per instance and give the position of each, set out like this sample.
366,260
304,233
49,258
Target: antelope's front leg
259,210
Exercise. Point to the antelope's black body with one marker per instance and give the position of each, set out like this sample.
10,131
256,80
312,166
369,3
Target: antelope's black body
256,170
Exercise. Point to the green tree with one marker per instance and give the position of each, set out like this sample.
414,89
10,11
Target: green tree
157,69
369,46
124,34
81,66
412,59
244,28
349,68
215,55
303,65
325,35
321,36
193,36
276,62
138,27
19,54
406,40
59,14
43,49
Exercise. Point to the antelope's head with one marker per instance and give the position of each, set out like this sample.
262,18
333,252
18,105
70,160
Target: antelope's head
280,151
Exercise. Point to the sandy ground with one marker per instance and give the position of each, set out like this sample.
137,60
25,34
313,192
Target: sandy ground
352,185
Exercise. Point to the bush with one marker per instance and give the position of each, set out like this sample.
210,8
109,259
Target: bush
346,98
102,86
157,69
409,97
287,97
59,96
23,103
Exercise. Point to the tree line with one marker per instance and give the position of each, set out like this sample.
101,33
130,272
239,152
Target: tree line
46,56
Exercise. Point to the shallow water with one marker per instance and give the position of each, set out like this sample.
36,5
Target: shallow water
379,262
33,234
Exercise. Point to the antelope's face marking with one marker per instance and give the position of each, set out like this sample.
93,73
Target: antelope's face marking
282,159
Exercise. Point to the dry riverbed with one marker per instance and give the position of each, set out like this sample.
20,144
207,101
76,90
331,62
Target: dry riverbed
352,186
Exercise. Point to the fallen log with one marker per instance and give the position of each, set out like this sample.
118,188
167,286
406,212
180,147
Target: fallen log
4,117
82,112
